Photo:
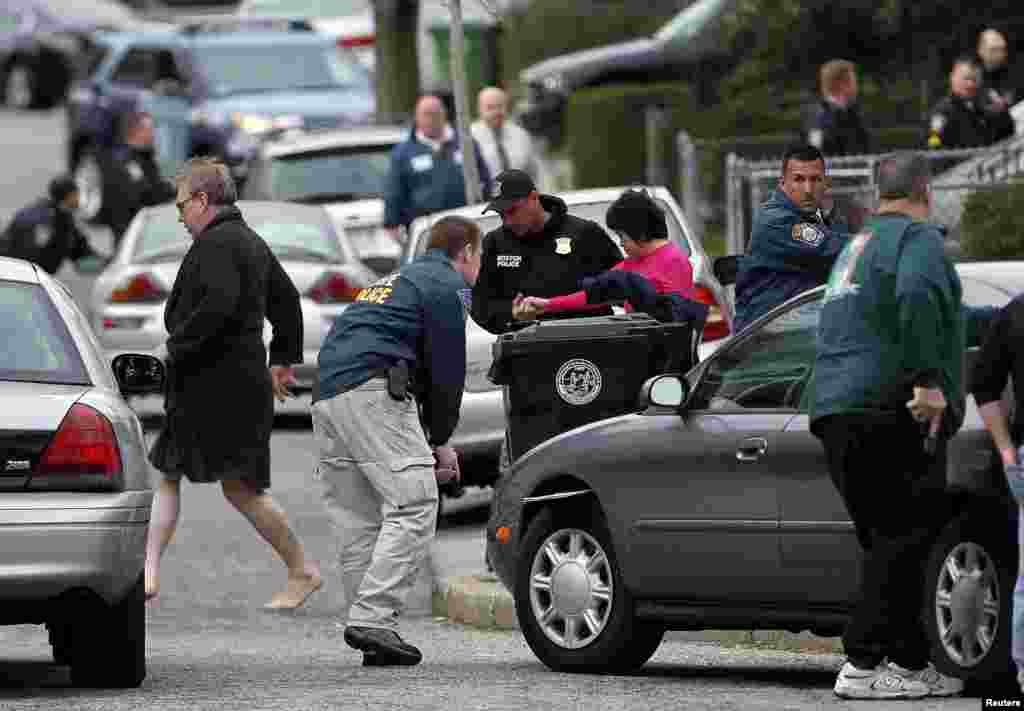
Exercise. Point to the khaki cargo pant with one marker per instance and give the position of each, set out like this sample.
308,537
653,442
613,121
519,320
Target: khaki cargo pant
377,476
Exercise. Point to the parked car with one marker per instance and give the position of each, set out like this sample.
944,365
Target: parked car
212,90
713,508
128,297
75,491
677,50
480,435
344,170
350,22
46,44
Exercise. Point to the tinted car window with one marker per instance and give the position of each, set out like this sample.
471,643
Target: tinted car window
35,345
241,69
766,370
357,174
979,293
589,211
162,238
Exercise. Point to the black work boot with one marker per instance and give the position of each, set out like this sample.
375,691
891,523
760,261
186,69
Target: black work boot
381,648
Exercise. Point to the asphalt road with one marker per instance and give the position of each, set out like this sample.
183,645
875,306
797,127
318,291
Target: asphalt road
211,646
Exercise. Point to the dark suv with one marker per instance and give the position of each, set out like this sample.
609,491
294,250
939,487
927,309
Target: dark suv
212,90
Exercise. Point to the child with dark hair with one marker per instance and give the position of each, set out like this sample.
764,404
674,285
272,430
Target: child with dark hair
641,225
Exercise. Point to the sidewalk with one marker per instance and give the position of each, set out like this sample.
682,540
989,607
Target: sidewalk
482,601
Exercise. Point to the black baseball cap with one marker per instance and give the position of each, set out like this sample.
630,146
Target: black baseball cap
510,187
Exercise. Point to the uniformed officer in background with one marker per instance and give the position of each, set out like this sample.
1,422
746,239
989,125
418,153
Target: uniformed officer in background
380,459
135,176
45,231
959,120
540,250
998,92
793,243
834,124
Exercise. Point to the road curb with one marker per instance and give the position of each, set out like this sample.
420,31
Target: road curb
482,601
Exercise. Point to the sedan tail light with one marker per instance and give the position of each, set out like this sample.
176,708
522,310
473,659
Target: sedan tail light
356,41
333,288
140,289
716,326
82,454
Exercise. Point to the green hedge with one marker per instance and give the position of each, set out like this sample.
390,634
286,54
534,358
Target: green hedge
605,131
605,134
992,224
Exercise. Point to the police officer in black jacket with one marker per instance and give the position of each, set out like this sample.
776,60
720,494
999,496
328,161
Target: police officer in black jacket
997,91
45,231
959,120
540,250
135,180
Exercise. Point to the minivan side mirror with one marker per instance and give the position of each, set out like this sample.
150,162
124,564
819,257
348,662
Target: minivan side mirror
139,374
670,391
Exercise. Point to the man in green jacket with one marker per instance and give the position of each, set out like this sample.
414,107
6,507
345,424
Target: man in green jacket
889,371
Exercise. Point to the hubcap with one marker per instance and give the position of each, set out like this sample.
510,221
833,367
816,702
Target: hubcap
19,87
90,187
967,604
571,588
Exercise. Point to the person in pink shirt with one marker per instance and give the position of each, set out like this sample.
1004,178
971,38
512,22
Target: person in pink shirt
641,225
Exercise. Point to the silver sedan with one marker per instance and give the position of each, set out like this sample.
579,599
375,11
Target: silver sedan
74,482
480,433
127,302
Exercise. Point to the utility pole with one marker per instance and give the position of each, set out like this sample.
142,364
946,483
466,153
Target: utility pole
458,70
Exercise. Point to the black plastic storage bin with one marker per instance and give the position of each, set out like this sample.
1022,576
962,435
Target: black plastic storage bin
565,373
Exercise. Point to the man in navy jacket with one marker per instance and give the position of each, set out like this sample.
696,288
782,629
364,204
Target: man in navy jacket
426,170
401,344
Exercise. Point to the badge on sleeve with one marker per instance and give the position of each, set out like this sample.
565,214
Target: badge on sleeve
808,234
134,171
43,233
563,245
816,137
938,123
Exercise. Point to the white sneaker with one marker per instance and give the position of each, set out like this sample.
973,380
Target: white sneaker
938,683
878,683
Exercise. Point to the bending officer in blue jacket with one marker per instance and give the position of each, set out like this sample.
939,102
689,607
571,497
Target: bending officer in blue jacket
793,243
387,398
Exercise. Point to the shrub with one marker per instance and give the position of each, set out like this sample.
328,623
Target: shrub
992,224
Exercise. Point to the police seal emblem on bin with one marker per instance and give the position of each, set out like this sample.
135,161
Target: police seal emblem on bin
578,381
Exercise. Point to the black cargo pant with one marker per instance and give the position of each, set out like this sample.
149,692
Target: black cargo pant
896,495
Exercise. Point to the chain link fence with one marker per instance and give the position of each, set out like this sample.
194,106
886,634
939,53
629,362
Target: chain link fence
748,183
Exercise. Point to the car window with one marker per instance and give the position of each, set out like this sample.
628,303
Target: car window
241,68
589,211
166,240
301,241
335,175
768,369
136,68
305,8
35,345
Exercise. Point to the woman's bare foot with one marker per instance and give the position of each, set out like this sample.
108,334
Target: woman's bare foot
299,588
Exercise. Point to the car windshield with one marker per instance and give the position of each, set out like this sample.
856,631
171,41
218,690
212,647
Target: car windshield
333,176
164,239
35,345
235,68
589,211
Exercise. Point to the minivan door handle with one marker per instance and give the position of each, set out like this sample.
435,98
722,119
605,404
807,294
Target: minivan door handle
751,449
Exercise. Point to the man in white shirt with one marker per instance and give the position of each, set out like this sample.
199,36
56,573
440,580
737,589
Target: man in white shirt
504,144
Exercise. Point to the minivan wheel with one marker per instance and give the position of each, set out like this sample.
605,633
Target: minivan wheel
969,584
573,608
108,644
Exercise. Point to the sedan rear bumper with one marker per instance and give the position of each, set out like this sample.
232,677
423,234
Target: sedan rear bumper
57,542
